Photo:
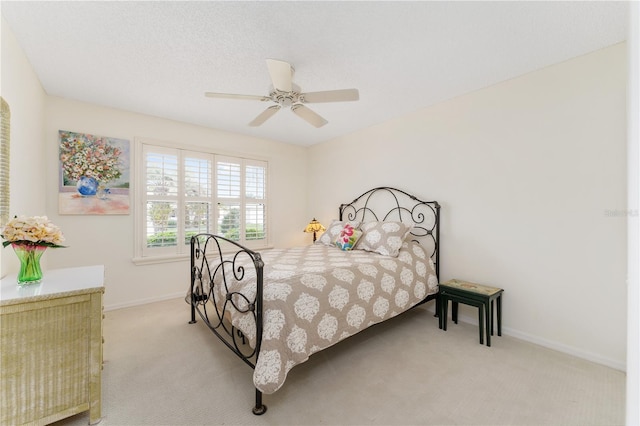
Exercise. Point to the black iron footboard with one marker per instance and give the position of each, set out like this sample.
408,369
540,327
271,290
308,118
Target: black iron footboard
216,263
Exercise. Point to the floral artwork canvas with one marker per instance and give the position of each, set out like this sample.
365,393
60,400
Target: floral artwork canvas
94,174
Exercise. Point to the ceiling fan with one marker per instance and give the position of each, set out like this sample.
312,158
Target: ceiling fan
284,93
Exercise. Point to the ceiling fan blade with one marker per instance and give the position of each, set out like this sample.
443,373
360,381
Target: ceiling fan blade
264,115
233,96
343,95
308,115
281,74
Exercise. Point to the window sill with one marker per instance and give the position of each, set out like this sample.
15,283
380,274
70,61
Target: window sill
159,259
151,260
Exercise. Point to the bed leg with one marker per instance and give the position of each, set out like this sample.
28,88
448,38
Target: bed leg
260,408
193,310
439,310
193,315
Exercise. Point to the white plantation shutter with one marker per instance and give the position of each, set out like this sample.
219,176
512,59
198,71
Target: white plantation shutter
256,181
198,175
228,179
241,187
198,185
161,172
228,185
255,196
255,216
185,193
5,126
161,185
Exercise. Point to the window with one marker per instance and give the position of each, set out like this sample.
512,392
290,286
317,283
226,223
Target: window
5,126
5,133
184,192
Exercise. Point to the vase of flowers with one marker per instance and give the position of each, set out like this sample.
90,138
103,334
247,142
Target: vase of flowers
30,237
89,161
87,186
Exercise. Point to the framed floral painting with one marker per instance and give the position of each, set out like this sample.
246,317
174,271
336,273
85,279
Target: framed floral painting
94,174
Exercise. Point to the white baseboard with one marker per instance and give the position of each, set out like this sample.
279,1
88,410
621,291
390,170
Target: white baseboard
561,347
550,344
139,302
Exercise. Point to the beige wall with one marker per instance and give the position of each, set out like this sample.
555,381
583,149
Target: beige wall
633,254
531,174
20,87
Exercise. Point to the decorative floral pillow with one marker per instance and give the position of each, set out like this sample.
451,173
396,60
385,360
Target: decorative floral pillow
348,237
385,238
329,236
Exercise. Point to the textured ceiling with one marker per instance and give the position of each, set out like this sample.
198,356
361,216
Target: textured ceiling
159,58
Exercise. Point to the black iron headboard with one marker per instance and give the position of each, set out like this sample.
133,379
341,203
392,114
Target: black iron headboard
386,203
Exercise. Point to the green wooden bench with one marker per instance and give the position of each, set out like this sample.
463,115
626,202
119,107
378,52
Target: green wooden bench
472,294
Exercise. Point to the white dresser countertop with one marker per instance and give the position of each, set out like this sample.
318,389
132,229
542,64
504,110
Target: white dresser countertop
54,281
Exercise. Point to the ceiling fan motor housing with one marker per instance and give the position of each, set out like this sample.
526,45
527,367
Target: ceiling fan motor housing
286,99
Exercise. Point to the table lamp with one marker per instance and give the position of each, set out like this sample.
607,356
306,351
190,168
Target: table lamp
314,226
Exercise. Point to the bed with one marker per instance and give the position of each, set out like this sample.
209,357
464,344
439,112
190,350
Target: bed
275,309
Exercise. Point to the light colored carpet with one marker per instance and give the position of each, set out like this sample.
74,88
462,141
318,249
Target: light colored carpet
159,370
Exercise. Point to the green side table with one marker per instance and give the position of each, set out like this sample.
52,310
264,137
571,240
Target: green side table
480,296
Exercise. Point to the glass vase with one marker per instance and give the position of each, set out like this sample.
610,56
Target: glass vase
29,255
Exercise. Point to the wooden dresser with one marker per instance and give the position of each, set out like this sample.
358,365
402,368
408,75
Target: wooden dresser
51,347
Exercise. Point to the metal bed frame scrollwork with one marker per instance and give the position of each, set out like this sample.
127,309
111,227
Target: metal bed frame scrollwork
216,259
